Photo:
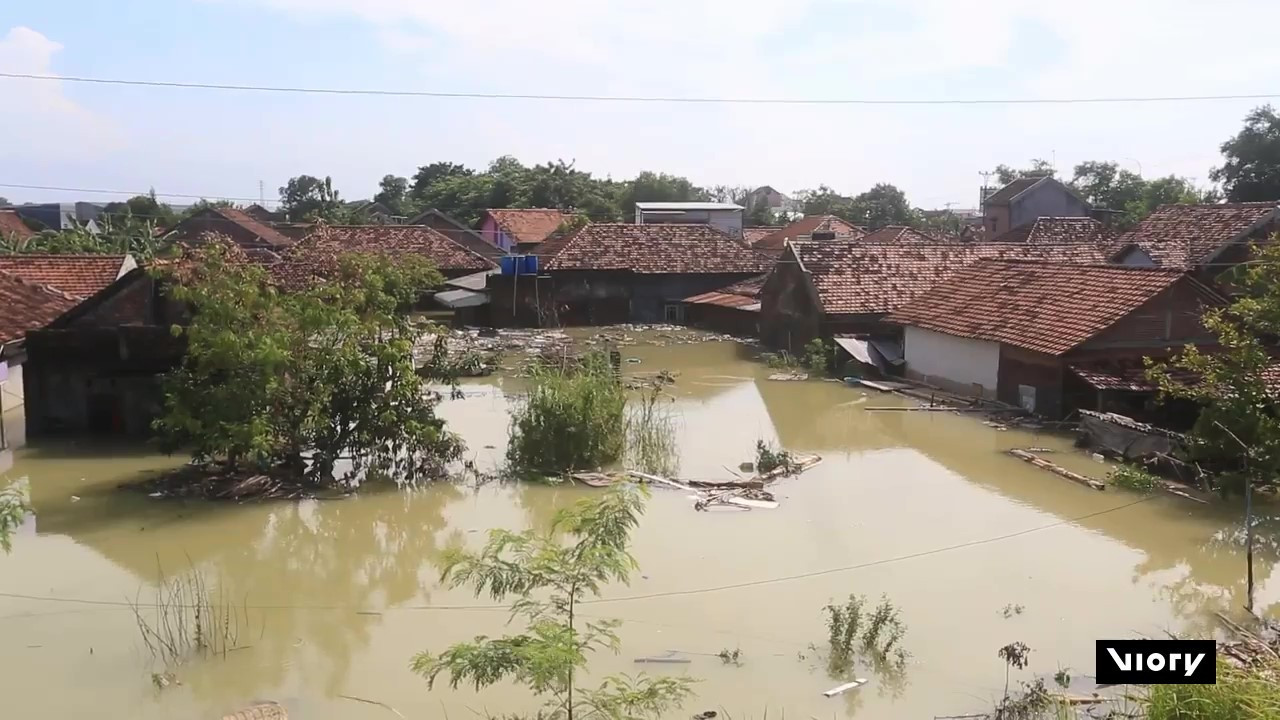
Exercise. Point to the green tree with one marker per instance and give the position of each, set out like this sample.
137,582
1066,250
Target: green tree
14,503
309,198
4,201
1038,168
882,205
291,383
429,175
201,205
393,192
116,235
1251,171
549,574
1237,406
144,207
659,187
824,201
1105,185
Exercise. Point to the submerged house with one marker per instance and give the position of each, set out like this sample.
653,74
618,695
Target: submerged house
824,288
1205,239
733,309
512,229
609,273
27,307
457,232
1043,335
95,368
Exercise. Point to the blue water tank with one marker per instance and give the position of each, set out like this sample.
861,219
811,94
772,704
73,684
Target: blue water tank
531,264
509,264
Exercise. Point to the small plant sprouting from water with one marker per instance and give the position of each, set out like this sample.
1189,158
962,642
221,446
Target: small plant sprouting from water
770,458
853,632
730,657
1011,610
13,509
651,432
780,360
817,356
1062,678
1131,477
186,618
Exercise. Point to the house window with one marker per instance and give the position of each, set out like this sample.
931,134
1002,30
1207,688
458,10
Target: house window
674,313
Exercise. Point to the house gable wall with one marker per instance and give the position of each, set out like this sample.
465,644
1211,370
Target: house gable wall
1047,199
956,364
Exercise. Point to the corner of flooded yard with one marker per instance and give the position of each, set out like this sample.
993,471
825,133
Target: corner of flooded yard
923,508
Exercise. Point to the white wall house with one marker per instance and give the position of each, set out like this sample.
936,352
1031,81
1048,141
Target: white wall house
725,217
952,363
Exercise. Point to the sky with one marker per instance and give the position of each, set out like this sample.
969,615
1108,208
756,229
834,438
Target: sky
241,144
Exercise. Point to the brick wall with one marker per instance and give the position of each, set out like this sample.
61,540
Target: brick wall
1042,372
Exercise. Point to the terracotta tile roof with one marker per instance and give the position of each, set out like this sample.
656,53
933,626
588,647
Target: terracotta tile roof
1184,236
902,233
806,226
28,306
528,225
652,249
1046,307
76,275
235,224
11,225
316,256
753,235
743,294
858,278
1059,230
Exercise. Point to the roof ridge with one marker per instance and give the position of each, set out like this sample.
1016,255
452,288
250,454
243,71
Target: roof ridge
39,286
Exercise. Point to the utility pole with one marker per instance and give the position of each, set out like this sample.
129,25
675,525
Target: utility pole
1248,517
982,194
262,194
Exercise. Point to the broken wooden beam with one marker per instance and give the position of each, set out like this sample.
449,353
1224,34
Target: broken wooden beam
1057,469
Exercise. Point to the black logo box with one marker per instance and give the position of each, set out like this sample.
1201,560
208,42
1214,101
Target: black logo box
1157,662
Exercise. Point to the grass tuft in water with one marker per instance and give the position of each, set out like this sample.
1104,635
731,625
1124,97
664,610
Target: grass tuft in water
1132,477
572,418
1240,694
854,632
770,458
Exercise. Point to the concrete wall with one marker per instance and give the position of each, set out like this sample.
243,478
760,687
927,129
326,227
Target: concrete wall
952,363
1045,200
12,418
726,221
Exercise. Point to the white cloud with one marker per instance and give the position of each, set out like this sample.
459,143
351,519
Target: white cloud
39,119
822,49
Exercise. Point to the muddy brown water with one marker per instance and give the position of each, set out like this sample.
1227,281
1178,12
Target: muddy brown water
921,507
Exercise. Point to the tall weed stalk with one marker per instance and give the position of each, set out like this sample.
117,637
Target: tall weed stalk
651,433
187,619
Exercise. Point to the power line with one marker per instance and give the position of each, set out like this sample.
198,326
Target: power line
646,596
632,98
131,193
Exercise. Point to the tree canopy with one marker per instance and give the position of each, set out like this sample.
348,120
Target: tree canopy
309,198
1252,168
292,383
143,207
1106,185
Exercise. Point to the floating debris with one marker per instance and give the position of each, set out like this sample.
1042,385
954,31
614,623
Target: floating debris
788,376
845,687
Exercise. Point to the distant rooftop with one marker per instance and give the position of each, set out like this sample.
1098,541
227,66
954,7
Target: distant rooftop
677,206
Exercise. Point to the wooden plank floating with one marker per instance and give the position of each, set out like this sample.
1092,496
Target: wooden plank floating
1057,469
845,687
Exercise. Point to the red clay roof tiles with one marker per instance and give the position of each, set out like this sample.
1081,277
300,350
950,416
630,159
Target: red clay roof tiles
28,306
1045,307
12,226
235,224
652,249
76,275
316,256
1185,236
860,278
528,225
805,227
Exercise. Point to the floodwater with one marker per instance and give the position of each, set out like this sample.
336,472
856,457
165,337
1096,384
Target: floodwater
921,507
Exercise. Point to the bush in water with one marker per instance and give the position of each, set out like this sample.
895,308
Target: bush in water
572,418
